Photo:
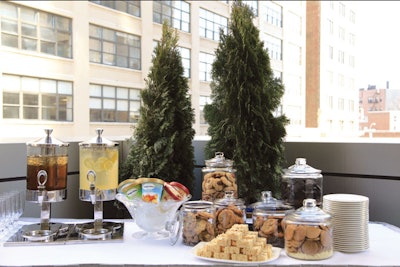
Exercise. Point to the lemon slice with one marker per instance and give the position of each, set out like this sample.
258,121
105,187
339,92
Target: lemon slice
88,163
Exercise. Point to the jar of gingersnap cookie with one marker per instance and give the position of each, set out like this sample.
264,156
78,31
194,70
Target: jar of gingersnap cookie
267,217
198,222
218,177
308,233
228,211
301,181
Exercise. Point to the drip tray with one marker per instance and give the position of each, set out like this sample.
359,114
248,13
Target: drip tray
65,234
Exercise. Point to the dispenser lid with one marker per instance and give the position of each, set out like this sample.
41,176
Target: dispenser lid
98,141
47,141
219,161
300,168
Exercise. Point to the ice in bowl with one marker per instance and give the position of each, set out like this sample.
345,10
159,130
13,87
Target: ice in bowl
154,205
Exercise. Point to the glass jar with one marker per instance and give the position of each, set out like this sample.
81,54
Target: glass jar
228,211
267,218
98,169
301,181
218,177
308,233
47,168
198,222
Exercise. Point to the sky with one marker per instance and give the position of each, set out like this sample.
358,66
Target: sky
378,43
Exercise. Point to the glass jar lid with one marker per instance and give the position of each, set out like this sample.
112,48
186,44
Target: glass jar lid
269,204
309,213
301,170
229,199
219,161
47,141
98,141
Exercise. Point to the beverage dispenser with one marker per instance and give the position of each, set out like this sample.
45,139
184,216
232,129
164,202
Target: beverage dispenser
46,180
98,179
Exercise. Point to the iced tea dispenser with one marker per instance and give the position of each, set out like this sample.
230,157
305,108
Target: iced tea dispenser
46,179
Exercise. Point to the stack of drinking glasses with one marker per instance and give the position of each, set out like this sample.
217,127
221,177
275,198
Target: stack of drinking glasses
12,205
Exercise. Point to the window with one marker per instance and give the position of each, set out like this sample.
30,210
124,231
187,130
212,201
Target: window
352,39
253,5
352,17
294,115
211,23
330,27
204,100
342,9
341,82
293,85
176,12
293,53
29,29
295,22
330,102
129,7
330,52
274,46
114,48
341,57
37,99
274,14
186,58
114,104
205,61
342,33
351,61
341,104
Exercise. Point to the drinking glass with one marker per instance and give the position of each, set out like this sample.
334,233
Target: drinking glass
9,210
20,206
3,228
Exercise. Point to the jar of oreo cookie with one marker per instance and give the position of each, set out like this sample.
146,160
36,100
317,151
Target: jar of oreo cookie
308,232
198,222
267,217
228,212
218,177
301,181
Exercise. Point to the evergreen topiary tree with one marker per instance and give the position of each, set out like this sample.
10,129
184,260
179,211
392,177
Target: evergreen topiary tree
241,117
162,141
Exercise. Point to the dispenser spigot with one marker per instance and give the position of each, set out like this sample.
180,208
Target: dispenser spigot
92,187
41,186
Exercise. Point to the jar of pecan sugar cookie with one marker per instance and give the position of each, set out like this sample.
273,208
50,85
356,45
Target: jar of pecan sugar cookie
308,232
267,217
228,211
218,177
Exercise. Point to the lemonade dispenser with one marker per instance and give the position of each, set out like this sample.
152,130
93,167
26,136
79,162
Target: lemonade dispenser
98,178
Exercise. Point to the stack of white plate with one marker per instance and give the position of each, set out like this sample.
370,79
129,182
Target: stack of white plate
350,217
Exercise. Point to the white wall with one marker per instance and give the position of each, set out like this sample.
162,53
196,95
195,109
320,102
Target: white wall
369,169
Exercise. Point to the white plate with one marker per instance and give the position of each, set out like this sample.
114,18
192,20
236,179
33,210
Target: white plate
345,198
276,252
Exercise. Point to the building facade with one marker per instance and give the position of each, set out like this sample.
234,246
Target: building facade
380,111
331,101
75,66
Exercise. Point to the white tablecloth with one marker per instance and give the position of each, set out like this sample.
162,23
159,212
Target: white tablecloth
384,251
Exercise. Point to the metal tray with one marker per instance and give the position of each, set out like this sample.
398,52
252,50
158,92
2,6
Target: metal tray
66,234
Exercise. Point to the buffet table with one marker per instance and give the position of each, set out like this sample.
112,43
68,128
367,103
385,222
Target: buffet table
384,240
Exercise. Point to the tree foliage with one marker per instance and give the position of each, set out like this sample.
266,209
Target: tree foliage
241,117
162,141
